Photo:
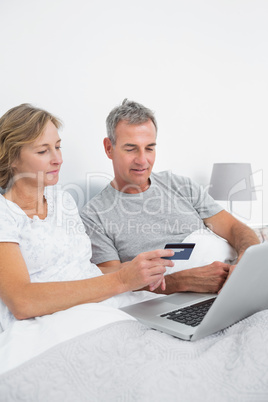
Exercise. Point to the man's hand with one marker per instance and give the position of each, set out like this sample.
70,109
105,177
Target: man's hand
232,267
207,279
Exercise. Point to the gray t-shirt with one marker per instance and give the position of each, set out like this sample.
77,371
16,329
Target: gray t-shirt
121,225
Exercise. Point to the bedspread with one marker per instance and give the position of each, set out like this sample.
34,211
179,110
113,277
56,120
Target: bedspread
127,361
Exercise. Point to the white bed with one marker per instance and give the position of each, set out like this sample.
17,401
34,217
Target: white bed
95,352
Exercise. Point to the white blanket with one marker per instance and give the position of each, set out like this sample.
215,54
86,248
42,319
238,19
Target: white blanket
126,361
26,339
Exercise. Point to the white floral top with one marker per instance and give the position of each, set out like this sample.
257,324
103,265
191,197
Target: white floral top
54,249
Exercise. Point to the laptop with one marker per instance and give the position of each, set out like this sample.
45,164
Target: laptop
245,293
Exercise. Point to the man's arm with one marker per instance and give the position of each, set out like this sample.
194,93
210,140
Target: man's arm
239,235
110,266
210,278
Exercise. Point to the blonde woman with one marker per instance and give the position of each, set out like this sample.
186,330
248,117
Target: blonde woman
45,253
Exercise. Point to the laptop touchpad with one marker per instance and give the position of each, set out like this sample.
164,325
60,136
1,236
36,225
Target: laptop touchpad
185,298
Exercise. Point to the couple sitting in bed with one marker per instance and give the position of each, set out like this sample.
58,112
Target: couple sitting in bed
46,261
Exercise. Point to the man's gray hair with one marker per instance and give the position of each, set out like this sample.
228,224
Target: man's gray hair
131,112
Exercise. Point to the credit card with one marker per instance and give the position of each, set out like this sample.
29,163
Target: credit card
182,250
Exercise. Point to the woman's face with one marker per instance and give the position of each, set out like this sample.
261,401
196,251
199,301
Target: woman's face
39,162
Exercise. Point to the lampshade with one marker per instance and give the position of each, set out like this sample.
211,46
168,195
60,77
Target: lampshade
232,182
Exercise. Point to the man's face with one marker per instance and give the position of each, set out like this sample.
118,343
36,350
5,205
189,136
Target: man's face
133,155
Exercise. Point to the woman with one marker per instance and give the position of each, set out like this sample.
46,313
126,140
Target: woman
45,253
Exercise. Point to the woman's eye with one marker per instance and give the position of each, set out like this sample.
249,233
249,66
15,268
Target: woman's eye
41,152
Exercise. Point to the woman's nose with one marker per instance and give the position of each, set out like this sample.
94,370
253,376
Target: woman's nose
57,158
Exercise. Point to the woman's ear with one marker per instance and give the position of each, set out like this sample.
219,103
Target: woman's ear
14,163
108,147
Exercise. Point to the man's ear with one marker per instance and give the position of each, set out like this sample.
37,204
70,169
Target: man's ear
108,147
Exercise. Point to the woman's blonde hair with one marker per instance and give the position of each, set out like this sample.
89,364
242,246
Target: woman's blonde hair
19,126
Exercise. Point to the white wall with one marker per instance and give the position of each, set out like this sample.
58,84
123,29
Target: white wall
201,65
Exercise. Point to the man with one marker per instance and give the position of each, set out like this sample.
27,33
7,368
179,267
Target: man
140,210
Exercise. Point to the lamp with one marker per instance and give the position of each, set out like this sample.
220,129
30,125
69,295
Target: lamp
232,182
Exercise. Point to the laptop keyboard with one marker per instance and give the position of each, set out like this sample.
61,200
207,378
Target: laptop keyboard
190,315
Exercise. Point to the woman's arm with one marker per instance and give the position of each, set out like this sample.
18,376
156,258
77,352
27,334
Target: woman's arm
26,299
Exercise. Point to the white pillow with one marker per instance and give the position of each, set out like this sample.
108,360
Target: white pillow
208,248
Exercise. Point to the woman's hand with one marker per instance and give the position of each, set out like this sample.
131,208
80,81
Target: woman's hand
147,269
161,283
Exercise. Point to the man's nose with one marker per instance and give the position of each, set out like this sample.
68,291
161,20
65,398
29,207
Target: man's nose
140,158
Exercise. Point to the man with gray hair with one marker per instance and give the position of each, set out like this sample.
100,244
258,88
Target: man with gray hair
141,210
132,112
